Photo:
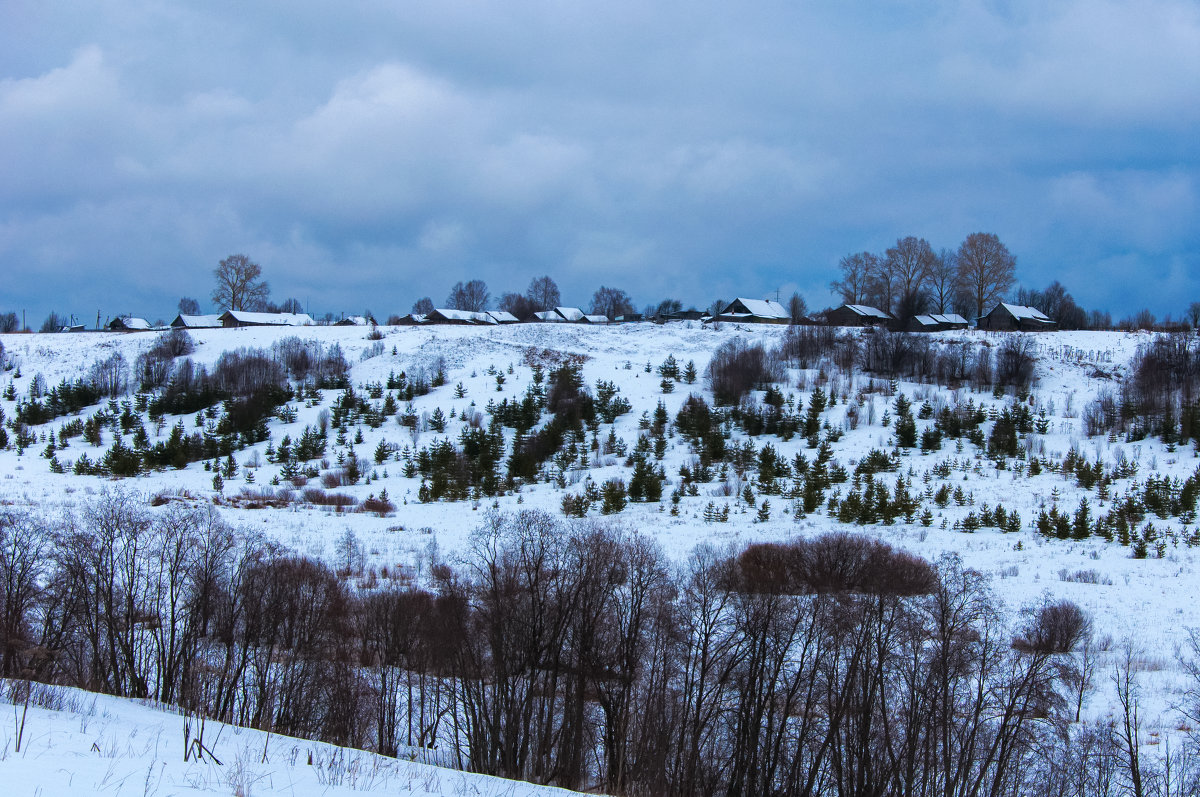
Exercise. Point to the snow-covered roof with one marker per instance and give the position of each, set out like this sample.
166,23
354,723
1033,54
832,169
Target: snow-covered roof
353,321
467,316
948,318
130,322
570,313
868,311
196,321
1029,313
596,319
760,308
268,319
502,316
926,320
548,315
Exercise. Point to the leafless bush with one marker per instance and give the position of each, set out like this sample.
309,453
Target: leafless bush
110,376
377,505
243,372
171,344
1053,628
1082,577
981,374
833,563
737,368
154,365
807,346
260,498
1015,361
1102,414
895,354
311,359
319,497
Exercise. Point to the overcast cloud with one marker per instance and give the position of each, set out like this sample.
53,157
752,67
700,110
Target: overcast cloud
370,153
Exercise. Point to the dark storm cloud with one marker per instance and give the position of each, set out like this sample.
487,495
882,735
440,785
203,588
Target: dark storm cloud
377,153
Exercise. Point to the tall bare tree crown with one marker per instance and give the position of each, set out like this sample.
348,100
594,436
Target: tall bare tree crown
239,284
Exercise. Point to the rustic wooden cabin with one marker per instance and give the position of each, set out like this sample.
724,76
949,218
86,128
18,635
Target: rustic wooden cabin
754,311
128,324
443,315
1006,317
858,315
196,321
243,318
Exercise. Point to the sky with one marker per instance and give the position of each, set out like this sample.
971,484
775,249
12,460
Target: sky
372,152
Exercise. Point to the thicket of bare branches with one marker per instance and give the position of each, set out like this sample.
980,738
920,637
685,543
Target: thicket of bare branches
738,367
1160,396
570,654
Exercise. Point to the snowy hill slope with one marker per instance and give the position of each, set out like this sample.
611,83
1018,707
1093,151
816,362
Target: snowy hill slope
1146,603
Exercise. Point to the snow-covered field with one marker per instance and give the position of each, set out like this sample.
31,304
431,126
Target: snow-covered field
85,743
1147,604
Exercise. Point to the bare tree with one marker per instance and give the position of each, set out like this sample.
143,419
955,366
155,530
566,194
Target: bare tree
1193,314
797,308
1124,678
518,304
664,308
239,284
908,264
543,294
24,554
472,296
611,302
53,322
986,269
189,306
423,306
291,306
942,272
911,303
857,272
1057,304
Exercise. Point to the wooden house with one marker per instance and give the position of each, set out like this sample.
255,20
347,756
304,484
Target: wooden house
443,315
950,320
354,321
196,321
754,311
1016,318
572,315
935,322
243,318
129,324
858,315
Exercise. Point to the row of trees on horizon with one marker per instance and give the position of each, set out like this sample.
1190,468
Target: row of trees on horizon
907,279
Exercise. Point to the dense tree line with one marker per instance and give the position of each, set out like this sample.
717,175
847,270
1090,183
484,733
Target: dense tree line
570,654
